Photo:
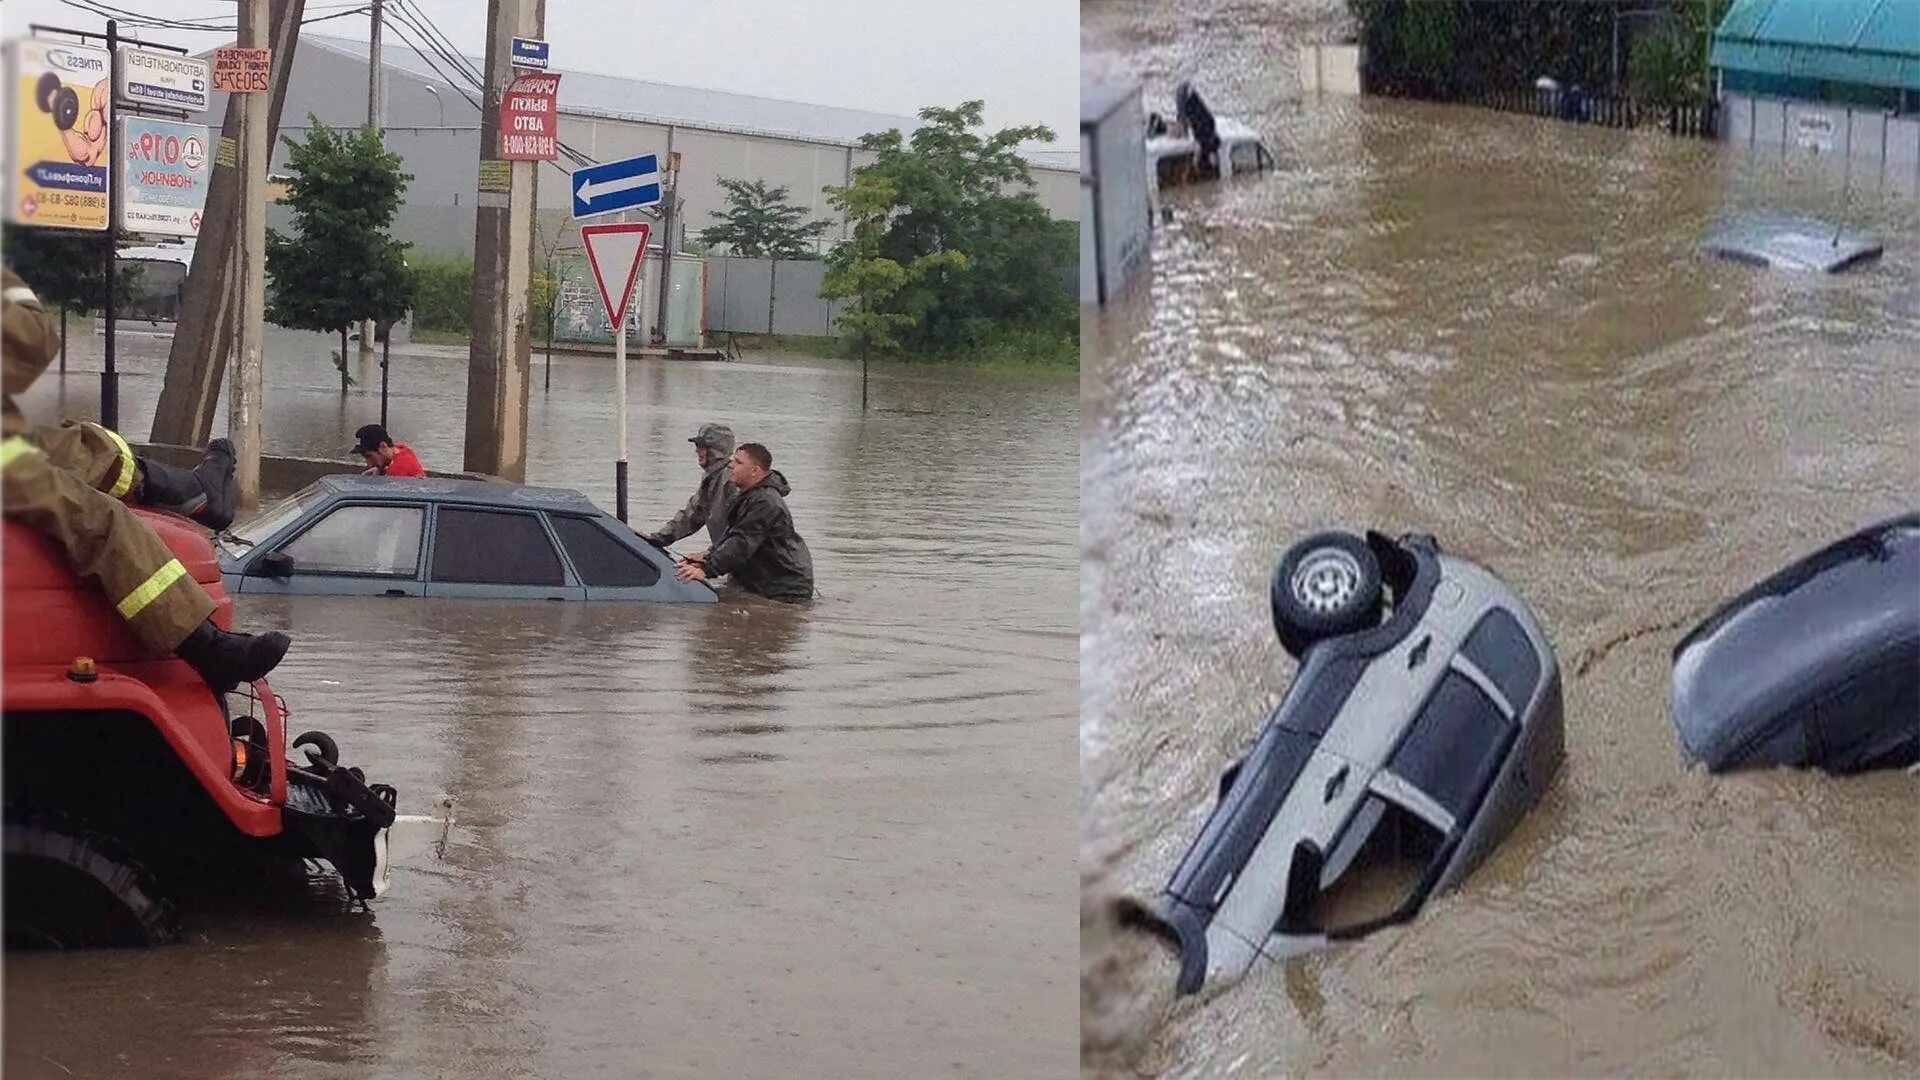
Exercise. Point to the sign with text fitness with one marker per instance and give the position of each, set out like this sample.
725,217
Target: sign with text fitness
530,119
166,79
57,165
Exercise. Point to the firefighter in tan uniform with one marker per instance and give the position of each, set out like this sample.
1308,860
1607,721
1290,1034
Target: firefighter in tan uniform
69,483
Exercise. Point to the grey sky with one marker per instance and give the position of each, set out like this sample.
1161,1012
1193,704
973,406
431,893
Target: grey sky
893,56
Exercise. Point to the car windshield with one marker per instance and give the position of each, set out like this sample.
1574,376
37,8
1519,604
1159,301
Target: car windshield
238,539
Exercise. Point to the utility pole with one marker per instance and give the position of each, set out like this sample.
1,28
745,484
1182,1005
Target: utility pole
672,193
500,356
197,359
243,422
377,120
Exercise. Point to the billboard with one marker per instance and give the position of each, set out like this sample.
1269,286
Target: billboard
168,167
57,162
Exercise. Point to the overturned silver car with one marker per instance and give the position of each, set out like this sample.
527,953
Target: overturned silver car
1404,751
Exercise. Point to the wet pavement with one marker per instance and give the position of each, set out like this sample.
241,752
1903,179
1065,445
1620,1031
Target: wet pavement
717,840
1494,329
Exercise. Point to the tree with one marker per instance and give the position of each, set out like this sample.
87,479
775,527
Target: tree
871,282
339,266
760,222
951,190
62,266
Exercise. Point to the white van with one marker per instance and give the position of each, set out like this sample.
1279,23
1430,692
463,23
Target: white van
1176,156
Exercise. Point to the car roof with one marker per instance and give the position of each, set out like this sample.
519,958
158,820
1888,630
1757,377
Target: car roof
448,490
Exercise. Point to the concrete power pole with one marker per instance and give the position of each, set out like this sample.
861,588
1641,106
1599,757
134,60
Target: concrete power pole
251,270
197,360
672,192
499,359
377,120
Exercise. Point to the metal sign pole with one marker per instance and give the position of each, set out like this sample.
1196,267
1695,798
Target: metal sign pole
110,378
620,393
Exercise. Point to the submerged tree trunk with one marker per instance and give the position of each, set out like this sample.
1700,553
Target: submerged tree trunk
863,373
343,361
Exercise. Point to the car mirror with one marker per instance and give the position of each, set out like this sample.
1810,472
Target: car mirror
274,564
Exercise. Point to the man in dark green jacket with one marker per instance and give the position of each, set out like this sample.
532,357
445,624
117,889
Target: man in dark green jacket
760,549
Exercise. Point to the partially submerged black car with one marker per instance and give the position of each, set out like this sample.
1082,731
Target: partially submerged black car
1405,750
1818,665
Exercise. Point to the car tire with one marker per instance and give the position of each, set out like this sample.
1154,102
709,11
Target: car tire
1326,585
68,888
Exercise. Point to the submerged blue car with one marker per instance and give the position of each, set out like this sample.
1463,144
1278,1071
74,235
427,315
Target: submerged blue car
394,536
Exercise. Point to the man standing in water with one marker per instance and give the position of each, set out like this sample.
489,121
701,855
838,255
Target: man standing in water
712,448
760,549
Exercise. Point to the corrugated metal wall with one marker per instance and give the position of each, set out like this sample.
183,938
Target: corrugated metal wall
768,296
1883,151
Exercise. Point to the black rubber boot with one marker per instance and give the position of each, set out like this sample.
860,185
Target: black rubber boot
226,659
204,493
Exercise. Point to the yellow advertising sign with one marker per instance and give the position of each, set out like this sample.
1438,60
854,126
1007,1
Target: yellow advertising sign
58,159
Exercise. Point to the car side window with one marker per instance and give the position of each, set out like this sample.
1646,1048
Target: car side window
361,540
1246,157
493,547
600,558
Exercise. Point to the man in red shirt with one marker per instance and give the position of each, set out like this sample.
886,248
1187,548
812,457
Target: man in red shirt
384,456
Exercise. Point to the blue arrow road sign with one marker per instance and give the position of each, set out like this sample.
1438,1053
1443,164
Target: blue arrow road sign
616,185
529,53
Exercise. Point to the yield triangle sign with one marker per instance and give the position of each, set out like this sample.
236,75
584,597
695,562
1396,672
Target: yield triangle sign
614,250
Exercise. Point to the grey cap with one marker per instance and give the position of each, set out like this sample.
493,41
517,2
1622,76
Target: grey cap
715,437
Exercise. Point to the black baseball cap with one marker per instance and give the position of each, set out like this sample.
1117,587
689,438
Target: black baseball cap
370,438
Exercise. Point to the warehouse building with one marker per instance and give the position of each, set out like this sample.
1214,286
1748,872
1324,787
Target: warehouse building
433,122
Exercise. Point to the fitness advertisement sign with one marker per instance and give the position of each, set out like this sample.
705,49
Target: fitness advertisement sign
57,164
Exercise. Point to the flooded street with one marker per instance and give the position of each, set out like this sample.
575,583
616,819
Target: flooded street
715,840
1494,329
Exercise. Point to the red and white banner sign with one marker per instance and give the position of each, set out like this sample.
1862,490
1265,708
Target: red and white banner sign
530,118
614,250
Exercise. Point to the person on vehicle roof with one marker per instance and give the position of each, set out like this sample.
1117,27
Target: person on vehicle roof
72,484
1199,121
712,449
760,548
385,457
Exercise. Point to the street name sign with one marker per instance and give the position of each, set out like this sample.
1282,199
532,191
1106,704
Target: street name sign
529,53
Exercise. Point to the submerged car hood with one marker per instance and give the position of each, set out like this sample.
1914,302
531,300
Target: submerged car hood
1816,665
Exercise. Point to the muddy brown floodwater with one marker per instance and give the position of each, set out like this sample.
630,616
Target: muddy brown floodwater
717,840
1493,329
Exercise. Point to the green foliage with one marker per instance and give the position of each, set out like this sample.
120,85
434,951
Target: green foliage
759,222
1448,49
62,266
442,294
1658,71
949,245
547,284
339,266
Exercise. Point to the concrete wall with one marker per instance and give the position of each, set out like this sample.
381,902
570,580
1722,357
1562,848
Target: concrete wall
1879,149
1330,69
